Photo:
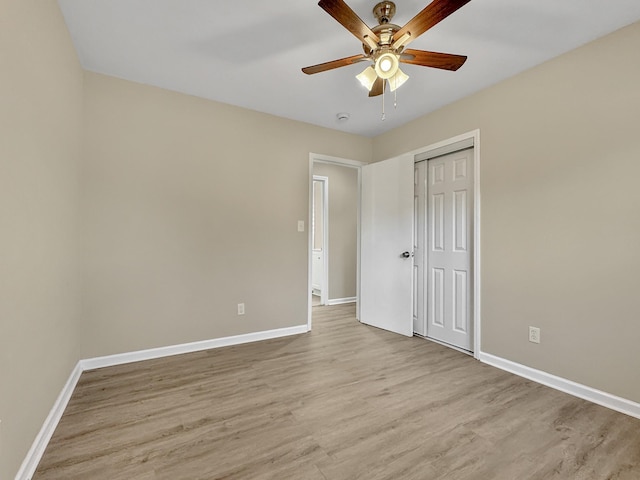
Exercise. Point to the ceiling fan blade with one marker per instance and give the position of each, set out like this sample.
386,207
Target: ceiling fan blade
445,61
431,15
343,62
378,88
348,19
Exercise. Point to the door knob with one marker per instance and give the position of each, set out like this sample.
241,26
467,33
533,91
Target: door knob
406,254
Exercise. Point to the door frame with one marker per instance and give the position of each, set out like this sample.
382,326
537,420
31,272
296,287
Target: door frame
343,162
324,281
441,148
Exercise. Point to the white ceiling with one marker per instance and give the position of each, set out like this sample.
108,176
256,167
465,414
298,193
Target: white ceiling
249,52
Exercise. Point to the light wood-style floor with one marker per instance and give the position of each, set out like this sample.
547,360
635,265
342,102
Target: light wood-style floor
344,402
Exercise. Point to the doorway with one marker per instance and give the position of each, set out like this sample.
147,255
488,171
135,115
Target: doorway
340,254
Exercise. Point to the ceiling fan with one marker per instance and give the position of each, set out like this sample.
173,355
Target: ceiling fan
385,44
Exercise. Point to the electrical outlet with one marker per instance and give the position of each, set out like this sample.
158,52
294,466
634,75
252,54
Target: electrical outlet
241,309
534,334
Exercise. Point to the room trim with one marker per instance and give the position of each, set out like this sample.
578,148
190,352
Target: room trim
34,455
584,392
150,354
30,462
341,301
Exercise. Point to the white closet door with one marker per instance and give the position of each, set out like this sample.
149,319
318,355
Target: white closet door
449,244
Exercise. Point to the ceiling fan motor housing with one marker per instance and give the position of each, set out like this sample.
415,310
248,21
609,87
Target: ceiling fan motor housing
385,33
384,12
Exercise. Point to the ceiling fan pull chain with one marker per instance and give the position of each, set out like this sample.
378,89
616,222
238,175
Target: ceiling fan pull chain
395,98
383,89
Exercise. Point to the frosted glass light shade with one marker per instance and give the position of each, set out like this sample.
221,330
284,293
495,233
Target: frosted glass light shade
367,78
387,65
397,80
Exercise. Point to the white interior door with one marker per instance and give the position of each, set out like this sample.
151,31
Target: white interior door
450,245
386,233
320,238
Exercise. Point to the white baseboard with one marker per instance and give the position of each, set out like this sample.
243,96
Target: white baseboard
129,357
39,445
30,463
599,397
340,301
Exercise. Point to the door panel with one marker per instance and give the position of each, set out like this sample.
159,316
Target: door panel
437,222
437,296
460,322
386,297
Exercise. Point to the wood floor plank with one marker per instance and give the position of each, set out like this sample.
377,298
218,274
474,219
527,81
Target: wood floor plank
343,402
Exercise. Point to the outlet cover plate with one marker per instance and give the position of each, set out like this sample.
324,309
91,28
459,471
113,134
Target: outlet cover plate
534,334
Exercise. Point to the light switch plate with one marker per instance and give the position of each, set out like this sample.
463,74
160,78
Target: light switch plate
301,225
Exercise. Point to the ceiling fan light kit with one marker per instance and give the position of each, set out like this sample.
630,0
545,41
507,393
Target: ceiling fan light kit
385,44
367,78
397,80
386,65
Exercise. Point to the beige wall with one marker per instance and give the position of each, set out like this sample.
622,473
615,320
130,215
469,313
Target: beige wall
343,218
318,216
40,111
191,207
560,210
